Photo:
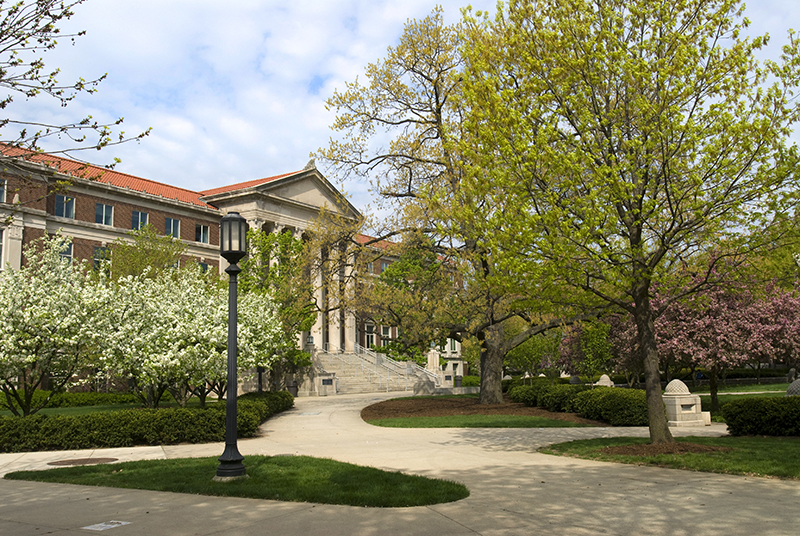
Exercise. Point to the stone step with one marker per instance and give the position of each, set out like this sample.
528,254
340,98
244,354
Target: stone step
353,379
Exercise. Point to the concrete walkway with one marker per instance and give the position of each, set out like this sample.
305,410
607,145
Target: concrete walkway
514,490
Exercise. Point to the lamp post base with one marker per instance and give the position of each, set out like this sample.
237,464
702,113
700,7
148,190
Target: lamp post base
230,464
230,478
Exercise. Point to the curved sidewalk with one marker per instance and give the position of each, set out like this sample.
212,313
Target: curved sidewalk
514,490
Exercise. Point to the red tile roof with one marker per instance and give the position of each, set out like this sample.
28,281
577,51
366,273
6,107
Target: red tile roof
243,185
362,239
114,178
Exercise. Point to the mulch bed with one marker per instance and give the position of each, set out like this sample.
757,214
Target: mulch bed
442,407
670,448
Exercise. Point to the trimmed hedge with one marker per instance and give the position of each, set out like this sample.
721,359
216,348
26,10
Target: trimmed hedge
616,406
560,397
771,416
74,400
529,394
137,426
471,381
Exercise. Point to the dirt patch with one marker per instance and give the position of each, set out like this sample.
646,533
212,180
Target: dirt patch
670,448
442,407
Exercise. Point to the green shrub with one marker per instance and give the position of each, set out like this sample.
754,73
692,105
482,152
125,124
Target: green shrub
529,394
523,394
74,400
471,381
614,405
559,397
507,385
589,404
770,416
138,426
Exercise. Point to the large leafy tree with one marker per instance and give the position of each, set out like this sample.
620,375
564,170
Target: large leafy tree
623,138
145,251
401,130
53,324
276,269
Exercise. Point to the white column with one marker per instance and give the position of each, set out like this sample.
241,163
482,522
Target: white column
13,246
350,334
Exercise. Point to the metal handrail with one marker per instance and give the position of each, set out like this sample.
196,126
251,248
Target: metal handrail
389,364
368,372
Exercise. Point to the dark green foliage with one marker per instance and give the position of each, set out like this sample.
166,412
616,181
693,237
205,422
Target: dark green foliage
522,394
510,384
752,373
529,394
74,400
589,403
618,407
559,397
772,416
137,426
471,381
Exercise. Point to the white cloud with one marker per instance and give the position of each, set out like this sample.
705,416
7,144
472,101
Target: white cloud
235,90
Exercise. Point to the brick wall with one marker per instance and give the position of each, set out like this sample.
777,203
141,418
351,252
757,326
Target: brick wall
86,206
32,192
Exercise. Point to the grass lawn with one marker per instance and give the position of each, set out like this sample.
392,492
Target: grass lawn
751,456
704,390
474,421
284,478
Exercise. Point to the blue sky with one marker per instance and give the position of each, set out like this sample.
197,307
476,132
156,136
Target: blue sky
235,91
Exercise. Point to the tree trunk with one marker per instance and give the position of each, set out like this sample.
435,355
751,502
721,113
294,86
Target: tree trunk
713,388
492,366
657,417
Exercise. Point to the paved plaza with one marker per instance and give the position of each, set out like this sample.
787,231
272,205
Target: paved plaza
514,490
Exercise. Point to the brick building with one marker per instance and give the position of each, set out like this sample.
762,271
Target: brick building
95,206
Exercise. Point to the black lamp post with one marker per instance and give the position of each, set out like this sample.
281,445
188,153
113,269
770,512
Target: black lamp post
232,247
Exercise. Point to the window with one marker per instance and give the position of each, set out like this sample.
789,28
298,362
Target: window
2,241
201,233
370,336
104,214
2,190
66,253
65,206
101,254
173,228
386,335
203,266
452,345
384,266
369,268
138,220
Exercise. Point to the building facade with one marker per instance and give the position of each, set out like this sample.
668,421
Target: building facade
45,194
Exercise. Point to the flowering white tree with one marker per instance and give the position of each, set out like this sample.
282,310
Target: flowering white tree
172,334
52,323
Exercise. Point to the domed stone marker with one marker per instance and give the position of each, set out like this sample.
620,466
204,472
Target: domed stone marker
684,408
794,388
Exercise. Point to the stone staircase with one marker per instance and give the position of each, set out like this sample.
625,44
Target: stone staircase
365,371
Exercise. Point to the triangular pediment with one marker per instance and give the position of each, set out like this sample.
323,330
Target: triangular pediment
309,188
306,191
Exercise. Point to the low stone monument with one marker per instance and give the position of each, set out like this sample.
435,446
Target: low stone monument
575,380
794,389
684,408
604,381
791,375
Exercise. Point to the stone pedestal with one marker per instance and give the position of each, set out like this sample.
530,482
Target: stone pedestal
605,381
684,408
